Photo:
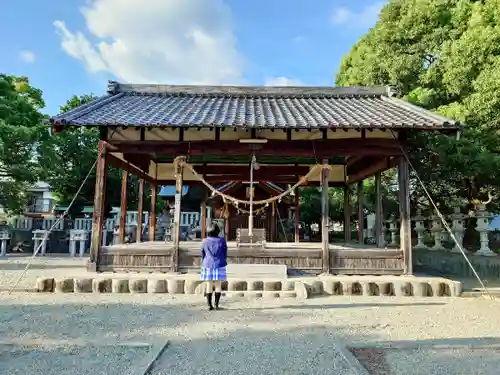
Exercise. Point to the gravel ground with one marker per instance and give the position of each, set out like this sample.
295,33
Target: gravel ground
41,360
250,336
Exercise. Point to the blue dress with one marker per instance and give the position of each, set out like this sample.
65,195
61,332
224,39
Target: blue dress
214,259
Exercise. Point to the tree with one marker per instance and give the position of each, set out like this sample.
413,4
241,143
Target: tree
21,134
443,55
69,158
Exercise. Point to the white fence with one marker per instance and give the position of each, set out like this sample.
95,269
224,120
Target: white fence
188,219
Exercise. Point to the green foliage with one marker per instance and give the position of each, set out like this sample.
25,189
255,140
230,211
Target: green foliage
69,157
443,55
21,136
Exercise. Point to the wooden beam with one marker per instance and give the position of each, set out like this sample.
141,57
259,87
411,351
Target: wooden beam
123,207
179,171
221,180
347,214
140,209
244,169
361,216
404,211
379,216
382,165
118,163
321,148
99,204
297,215
152,212
325,203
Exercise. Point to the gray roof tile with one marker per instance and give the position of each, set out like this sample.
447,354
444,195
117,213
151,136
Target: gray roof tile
256,107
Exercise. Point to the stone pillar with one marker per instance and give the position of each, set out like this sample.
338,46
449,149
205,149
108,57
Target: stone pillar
483,221
4,238
458,228
39,240
379,224
420,229
77,238
437,232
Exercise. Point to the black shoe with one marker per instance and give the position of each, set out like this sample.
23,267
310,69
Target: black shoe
209,300
217,299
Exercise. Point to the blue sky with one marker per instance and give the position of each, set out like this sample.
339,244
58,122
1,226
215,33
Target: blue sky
69,47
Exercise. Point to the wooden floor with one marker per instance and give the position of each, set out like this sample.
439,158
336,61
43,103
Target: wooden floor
158,256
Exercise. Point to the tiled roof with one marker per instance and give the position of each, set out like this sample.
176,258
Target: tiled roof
254,107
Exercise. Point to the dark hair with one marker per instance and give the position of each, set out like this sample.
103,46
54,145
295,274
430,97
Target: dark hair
213,230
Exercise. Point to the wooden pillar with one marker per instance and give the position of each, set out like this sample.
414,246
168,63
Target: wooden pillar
123,207
324,219
361,217
179,171
297,215
152,212
404,211
379,216
99,204
203,215
347,214
140,209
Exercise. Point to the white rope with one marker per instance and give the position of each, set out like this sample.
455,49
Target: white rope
47,233
443,220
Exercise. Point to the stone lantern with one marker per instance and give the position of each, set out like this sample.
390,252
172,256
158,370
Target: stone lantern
482,226
420,229
437,231
458,228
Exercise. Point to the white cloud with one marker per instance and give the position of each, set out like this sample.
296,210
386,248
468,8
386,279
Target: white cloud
157,41
27,56
365,18
282,81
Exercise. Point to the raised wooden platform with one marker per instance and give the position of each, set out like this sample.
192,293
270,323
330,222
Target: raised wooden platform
348,259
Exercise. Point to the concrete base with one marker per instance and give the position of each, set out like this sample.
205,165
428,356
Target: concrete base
384,286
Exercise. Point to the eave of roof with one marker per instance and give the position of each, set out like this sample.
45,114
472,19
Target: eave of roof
265,107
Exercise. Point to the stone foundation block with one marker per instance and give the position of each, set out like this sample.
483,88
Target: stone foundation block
329,287
119,286
64,286
271,286
102,286
271,295
436,289
175,286
45,285
200,289
138,286
236,285
316,288
402,289
236,294
420,289
456,288
191,285
386,289
255,285
157,286
287,285
301,290
288,294
253,294
83,285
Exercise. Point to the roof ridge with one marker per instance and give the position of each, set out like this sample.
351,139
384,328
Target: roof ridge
115,88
